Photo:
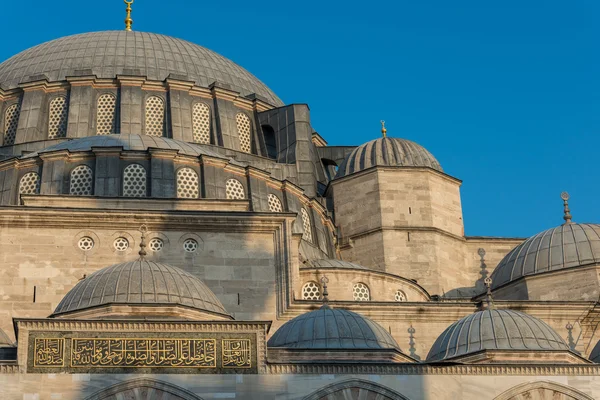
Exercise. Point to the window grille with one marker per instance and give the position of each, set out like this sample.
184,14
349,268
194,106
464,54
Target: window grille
306,224
30,183
190,245
361,292
82,181
86,243
400,296
311,291
11,122
106,114
134,181
275,204
156,245
201,123
187,183
155,116
244,131
234,190
121,244
57,118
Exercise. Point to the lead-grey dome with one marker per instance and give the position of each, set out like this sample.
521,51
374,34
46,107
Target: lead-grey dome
111,53
567,246
387,152
128,143
595,354
495,330
141,282
328,328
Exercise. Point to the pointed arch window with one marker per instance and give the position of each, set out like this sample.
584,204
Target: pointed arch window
307,225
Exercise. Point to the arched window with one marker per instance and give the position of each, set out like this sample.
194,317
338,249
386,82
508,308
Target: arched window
201,123
155,116
134,181
361,292
29,183
234,190
275,204
311,291
57,118
244,129
187,183
400,296
11,122
82,181
270,141
106,115
307,225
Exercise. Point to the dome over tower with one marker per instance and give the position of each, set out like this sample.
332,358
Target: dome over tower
111,53
491,330
387,152
145,285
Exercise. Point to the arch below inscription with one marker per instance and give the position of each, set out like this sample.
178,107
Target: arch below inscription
143,389
355,389
543,390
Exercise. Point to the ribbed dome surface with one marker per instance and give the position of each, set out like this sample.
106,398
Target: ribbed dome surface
111,53
495,330
387,151
566,246
328,328
140,282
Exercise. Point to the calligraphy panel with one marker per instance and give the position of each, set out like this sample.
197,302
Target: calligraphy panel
141,353
49,352
236,353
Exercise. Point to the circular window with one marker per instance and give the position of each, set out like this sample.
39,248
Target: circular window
190,245
156,244
121,244
86,243
400,296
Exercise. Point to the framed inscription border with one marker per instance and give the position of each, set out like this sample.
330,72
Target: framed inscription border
116,352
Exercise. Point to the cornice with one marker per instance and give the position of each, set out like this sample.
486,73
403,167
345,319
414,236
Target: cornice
399,228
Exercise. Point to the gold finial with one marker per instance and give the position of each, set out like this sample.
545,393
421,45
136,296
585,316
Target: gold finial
567,217
383,130
128,20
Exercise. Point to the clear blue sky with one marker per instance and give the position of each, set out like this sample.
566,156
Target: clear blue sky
505,94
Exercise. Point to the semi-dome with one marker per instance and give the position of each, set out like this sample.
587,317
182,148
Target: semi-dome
128,143
387,152
495,330
329,328
141,283
331,263
567,246
111,53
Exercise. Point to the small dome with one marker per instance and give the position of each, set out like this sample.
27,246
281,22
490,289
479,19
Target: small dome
330,263
495,330
111,53
141,282
328,328
567,246
390,152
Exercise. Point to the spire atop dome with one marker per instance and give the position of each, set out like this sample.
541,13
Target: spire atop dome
565,196
383,130
489,299
324,282
128,20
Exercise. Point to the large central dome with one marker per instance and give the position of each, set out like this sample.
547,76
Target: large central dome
111,53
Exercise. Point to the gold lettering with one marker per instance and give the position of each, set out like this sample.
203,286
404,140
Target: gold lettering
236,353
49,353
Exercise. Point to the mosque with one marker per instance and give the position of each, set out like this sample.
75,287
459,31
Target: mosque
171,230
